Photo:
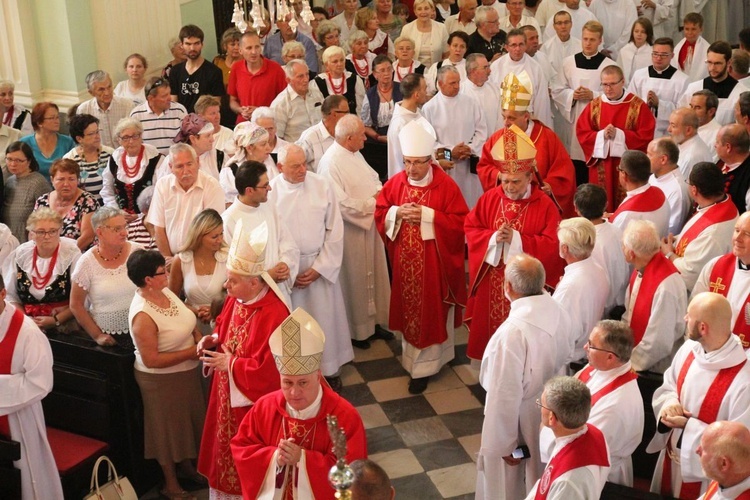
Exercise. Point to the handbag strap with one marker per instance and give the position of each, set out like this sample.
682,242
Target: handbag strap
110,473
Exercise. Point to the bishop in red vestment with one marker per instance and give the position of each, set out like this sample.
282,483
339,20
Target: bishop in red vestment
552,160
608,126
420,215
515,217
243,366
283,448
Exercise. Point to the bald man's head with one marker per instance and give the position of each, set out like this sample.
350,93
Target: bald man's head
725,452
709,320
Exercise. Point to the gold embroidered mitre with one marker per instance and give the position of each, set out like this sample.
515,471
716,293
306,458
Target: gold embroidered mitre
516,92
247,254
514,152
297,344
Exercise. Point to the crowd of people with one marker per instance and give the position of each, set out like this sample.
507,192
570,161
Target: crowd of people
255,219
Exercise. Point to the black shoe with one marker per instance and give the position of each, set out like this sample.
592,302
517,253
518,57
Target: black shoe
361,344
335,383
418,385
382,333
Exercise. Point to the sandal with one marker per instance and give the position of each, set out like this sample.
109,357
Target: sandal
177,495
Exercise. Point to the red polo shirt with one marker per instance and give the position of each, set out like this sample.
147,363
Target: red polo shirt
259,89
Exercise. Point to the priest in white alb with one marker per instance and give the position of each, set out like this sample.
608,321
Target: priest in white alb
364,270
460,127
477,86
729,275
683,128
307,202
665,175
517,61
25,379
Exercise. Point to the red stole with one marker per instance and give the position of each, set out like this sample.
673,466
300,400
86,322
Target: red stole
648,201
585,450
720,212
7,346
714,487
724,269
623,379
708,412
683,55
656,271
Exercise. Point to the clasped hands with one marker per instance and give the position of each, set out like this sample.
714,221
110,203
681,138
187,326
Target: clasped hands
289,452
675,416
279,272
504,234
410,213
214,360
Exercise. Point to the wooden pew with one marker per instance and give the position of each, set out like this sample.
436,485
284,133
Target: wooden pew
10,477
95,395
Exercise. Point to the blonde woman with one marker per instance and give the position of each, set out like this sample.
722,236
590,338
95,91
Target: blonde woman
430,37
200,269
377,40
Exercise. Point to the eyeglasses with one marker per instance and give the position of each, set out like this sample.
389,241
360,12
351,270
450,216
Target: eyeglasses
415,163
591,347
116,229
128,138
515,45
42,234
159,82
610,85
15,160
661,54
715,63
540,405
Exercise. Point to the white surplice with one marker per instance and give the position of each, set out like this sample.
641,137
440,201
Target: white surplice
668,90
632,58
281,246
725,113
563,86
455,120
556,51
540,103
660,216
620,417
311,209
488,98
692,151
666,325
735,406
713,241
582,292
583,483
528,349
608,254
617,17
695,66
21,397
663,17
738,291
674,187
364,271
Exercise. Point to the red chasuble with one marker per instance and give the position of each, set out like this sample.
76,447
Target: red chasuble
657,270
552,161
536,218
585,450
648,201
7,347
245,329
719,282
268,422
428,276
633,117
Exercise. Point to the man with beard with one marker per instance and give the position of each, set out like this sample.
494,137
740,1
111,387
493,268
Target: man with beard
195,77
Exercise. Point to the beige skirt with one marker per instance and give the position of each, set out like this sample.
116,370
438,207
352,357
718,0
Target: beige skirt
174,410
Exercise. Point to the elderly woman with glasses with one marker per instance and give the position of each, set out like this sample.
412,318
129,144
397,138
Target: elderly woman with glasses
47,143
198,132
101,293
90,154
328,34
37,273
22,188
335,80
74,205
164,333
132,167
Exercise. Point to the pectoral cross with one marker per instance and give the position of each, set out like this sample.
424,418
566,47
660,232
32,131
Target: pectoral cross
716,286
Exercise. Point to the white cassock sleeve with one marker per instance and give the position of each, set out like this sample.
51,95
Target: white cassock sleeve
328,261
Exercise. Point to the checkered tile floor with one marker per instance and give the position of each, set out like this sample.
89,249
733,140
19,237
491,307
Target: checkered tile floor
427,443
